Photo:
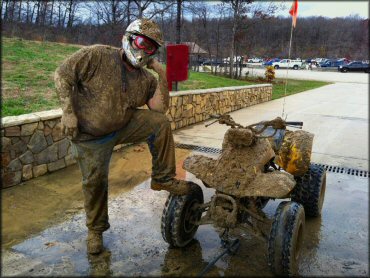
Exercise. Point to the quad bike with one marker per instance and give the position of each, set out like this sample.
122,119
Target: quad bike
258,162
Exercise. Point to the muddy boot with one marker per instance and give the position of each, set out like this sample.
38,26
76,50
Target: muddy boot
174,186
94,242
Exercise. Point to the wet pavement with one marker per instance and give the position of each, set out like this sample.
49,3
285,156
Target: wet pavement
335,243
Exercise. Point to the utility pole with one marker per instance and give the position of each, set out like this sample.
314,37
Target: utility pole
178,22
178,29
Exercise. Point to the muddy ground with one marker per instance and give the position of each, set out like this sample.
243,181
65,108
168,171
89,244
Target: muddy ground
43,229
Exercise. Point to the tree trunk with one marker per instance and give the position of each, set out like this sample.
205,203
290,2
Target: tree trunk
128,12
19,11
51,13
12,12
37,21
28,12
70,14
5,18
43,18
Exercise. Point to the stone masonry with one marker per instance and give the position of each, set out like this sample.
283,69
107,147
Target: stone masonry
33,145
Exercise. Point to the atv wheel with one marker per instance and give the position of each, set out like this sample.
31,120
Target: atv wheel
310,190
286,238
179,215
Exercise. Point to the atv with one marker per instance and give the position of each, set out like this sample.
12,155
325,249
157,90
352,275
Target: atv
258,162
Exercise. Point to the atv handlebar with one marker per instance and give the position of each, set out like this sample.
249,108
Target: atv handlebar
294,123
277,123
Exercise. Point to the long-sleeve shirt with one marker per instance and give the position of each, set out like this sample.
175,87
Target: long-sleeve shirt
95,86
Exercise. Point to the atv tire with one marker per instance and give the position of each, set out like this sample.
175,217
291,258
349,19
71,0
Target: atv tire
310,190
178,214
286,238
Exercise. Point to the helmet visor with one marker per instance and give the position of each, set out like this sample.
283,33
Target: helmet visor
145,44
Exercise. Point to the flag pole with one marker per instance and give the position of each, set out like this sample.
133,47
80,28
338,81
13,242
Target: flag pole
286,76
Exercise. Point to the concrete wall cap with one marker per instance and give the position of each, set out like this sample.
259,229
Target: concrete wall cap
19,120
215,90
30,118
50,114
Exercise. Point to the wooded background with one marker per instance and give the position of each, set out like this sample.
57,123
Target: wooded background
223,29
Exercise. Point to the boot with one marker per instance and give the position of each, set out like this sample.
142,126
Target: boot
94,242
174,186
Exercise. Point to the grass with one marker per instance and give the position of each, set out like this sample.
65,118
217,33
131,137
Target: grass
28,85
294,87
27,75
201,80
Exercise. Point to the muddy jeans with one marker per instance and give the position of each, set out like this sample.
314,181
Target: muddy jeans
94,156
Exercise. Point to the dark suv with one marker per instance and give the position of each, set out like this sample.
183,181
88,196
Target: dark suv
332,64
355,66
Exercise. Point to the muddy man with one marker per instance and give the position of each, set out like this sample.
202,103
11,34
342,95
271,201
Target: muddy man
100,89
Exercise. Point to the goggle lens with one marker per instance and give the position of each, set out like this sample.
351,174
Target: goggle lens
145,44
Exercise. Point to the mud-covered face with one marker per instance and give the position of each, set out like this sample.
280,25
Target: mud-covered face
137,57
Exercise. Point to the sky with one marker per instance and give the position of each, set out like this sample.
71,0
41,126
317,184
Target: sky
330,9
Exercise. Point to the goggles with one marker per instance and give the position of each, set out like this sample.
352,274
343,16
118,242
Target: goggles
145,44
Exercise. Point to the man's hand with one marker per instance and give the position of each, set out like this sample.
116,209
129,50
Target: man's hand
69,125
154,65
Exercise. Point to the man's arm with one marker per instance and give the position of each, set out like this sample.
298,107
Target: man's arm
64,86
66,77
161,98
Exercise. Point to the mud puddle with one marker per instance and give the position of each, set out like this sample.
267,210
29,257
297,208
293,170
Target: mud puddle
31,207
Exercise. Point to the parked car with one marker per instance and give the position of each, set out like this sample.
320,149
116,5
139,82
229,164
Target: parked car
355,66
215,62
332,64
255,60
269,62
288,63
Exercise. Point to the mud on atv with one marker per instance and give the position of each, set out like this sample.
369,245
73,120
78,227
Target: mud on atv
258,162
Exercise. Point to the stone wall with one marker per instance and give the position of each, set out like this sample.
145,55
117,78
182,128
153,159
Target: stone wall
33,145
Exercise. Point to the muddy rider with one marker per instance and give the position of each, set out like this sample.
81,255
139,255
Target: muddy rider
101,89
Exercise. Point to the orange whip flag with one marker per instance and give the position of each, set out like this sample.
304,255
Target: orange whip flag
294,11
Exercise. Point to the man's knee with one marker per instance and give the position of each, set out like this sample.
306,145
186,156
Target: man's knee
159,121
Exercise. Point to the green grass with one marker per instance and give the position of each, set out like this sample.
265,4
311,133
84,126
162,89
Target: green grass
27,74
201,80
294,87
28,85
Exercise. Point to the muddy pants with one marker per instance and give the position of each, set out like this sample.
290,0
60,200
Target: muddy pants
94,156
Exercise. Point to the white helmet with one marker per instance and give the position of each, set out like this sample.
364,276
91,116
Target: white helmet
142,27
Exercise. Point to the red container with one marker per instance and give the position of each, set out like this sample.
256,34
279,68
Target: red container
177,63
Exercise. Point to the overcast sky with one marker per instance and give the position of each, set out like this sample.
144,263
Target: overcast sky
330,8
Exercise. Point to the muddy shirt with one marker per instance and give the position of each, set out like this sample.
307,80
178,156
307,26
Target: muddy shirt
103,93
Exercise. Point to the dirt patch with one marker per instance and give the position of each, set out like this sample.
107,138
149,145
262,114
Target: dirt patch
29,208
